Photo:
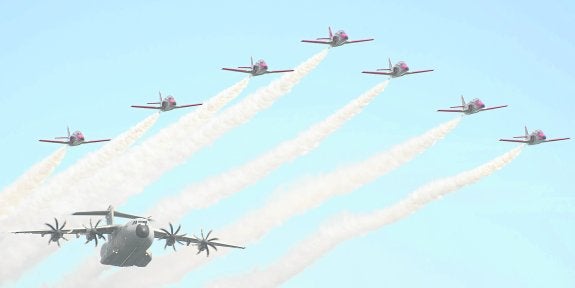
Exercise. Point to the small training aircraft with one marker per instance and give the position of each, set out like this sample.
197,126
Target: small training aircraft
166,104
259,68
474,106
536,137
337,39
73,139
396,70
127,244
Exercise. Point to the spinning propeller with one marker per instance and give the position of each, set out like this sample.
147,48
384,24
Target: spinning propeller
204,243
56,232
92,233
171,237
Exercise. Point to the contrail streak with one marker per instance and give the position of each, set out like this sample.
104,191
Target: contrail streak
23,254
147,164
348,227
216,188
304,197
21,188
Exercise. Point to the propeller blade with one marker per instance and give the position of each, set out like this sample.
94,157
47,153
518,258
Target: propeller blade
171,229
56,223
178,230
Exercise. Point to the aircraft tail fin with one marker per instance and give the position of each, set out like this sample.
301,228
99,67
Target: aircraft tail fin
65,137
330,33
526,134
110,214
389,62
462,101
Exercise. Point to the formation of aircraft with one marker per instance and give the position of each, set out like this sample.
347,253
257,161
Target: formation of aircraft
127,244
536,137
474,106
397,70
337,39
259,68
166,104
74,139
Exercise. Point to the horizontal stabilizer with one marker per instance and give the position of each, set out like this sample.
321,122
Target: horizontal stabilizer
105,212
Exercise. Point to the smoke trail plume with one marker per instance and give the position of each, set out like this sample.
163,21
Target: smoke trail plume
216,188
63,186
304,197
167,150
29,181
349,226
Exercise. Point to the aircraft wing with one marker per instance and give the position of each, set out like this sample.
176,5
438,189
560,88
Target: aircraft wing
558,139
512,140
491,108
96,141
357,41
187,105
237,70
420,71
316,41
191,240
54,141
147,107
279,71
449,110
109,229
376,72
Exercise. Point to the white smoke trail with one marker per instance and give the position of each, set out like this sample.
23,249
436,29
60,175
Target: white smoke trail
23,254
216,188
304,197
29,181
347,227
147,164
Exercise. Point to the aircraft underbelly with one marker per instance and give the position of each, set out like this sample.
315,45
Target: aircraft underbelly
129,251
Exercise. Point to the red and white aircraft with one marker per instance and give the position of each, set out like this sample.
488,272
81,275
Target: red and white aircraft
474,106
259,68
73,139
396,70
166,104
337,39
536,137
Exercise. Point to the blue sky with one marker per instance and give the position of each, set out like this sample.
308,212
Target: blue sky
84,64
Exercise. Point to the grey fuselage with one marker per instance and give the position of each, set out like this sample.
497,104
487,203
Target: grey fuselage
128,245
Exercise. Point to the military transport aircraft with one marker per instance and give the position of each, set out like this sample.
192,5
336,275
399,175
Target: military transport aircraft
474,106
337,39
73,139
536,137
396,70
166,104
259,68
127,244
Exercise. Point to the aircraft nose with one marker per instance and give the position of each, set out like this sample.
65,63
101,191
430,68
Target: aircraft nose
142,231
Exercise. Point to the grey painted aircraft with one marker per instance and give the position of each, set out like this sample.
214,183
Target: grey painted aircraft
397,70
259,68
73,139
337,39
536,137
471,107
127,244
166,104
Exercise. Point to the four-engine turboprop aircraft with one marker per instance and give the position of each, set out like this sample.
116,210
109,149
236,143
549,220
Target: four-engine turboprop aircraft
166,104
74,139
337,39
397,70
474,106
536,137
127,245
259,68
